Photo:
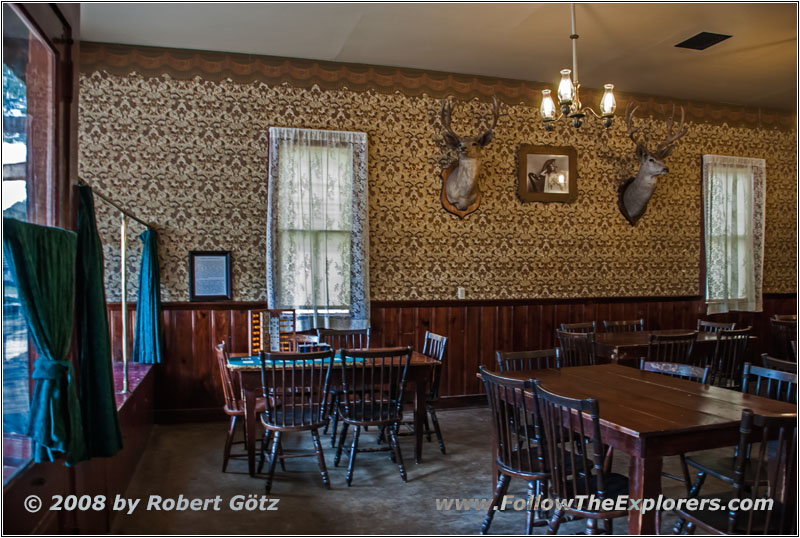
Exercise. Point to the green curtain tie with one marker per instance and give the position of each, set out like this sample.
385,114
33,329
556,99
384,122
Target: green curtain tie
45,368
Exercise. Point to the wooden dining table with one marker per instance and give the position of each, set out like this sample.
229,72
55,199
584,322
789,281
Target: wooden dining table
649,416
628,347
420,370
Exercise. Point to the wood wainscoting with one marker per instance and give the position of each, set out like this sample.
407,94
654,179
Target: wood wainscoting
188,387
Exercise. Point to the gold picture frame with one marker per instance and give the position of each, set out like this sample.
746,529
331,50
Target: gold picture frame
548,174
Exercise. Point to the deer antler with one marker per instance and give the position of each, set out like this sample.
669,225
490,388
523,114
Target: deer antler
495,116
665,147
629,123
446,113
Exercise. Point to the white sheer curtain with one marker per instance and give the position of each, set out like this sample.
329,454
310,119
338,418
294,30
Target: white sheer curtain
733,204
317,232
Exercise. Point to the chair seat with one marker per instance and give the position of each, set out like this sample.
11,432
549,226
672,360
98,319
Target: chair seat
717,465
614,484
261,405
718,519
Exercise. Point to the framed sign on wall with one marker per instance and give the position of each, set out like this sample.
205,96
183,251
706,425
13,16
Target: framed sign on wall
210,275
548,174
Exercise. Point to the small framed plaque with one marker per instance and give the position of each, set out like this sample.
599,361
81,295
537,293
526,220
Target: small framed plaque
548,174
209,275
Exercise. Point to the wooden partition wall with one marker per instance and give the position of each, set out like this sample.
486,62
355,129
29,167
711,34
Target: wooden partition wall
187,384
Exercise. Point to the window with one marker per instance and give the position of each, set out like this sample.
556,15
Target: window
317,236
733,208
28,164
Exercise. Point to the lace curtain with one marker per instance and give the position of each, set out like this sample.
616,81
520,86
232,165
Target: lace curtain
317,231
733,198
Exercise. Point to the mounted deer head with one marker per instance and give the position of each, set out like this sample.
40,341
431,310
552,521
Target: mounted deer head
634,193
460,190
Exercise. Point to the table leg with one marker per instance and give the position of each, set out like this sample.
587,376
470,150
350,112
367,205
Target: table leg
420,402
645,483
250,394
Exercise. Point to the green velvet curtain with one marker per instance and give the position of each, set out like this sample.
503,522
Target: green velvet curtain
147,346
98,404
42,263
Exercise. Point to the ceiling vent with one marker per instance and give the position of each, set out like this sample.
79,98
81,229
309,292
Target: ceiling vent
702,41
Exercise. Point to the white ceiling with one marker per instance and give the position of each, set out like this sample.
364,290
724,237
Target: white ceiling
630,45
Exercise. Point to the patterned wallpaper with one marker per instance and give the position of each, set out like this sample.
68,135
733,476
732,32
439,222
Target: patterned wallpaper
190,156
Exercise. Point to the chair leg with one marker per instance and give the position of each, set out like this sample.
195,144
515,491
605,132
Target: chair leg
610,525
499,492
264,448
533,488
381,435
273,461
226,455
341,445
427,427
698,483
555,521
320,459
334,419
437,429
353,452
280,455
398,457
687,478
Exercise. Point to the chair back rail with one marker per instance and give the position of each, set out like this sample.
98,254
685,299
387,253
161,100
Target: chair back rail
577,349
729,355
295,388
574,450
514,361
776,364
682,371
704,326
232,402
631,325
672,348
585,327
374,382
435,347
344,338
515,426
773,384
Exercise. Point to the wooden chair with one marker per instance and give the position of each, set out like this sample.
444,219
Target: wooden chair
434,347
784,332
773,384
233,407
759,381
730,353
372,389
339,339
671,348
777,364
344,338
515,361
704,326
514,436
682,371
587,327
633,325
765,468
577,349
295,390
574,457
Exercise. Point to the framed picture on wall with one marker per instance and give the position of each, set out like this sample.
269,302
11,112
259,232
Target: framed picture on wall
209,275
548,174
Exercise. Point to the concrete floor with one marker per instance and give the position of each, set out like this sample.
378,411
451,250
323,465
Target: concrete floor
186,459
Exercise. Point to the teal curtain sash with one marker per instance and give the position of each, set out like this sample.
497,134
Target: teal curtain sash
98,405
42,263
148,338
